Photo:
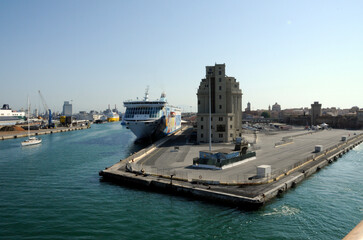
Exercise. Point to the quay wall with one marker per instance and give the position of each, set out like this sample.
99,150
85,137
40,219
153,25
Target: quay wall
307,171
178,188
278,186
41,132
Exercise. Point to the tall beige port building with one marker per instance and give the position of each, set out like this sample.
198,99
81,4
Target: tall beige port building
226,106
315,112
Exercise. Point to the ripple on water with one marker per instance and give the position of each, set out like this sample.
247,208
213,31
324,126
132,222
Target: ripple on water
282,211
54,192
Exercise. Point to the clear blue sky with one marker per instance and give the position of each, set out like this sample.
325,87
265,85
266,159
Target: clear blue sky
104,52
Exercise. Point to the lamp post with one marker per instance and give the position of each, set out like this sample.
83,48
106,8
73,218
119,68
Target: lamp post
210,118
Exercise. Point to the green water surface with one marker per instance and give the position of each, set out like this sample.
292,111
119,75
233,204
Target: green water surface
53,191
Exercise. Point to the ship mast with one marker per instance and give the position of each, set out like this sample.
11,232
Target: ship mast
146,98
28,118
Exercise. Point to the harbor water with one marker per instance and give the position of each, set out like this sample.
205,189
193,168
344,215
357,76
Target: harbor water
53,191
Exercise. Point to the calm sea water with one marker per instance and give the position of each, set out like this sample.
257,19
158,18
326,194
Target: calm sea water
53,191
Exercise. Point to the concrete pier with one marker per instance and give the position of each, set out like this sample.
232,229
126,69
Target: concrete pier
356,233
20,134
166,166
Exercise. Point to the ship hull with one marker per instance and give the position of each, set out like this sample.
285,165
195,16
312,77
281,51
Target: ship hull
156,128
113,119
144,129
31,141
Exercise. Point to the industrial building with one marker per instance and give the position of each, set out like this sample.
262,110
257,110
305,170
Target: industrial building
222,96
67,109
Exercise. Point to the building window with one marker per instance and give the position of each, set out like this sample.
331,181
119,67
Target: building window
220,96
220,79
201,135
201,126
201,118
230,126
211,119
220,87
221,128
198,102
220,118
220,106
220,72
221,135
230,118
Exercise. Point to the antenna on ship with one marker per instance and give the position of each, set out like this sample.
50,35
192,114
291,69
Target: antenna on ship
146,98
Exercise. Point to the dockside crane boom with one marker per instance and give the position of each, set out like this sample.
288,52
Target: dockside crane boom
47,110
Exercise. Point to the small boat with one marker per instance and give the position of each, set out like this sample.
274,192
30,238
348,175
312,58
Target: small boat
30,140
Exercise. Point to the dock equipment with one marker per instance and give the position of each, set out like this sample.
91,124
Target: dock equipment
47,110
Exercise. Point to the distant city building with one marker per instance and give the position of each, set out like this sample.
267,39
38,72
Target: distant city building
226,106
354,109
360,115
248,109
293,112
276,107
330,111
35,112
67,109
275,111
315,112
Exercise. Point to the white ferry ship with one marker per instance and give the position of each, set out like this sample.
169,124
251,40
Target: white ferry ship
149,119
8,116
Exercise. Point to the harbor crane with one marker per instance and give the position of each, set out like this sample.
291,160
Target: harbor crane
47,110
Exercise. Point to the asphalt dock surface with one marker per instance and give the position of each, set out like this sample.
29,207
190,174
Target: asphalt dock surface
167,165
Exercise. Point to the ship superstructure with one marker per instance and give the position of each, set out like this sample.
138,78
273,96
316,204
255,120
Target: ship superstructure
112,115
148,119
8,115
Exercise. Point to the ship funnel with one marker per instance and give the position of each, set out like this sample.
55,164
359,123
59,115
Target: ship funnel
163,97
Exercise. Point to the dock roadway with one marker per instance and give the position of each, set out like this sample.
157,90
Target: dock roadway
168,165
